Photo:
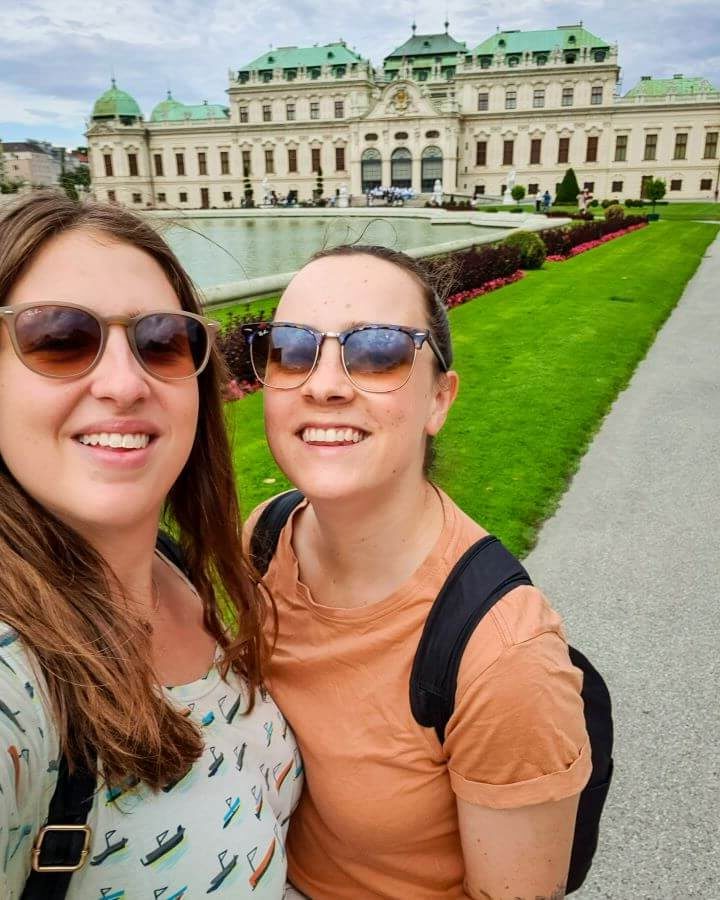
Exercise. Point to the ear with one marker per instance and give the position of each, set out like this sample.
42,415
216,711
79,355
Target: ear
445,391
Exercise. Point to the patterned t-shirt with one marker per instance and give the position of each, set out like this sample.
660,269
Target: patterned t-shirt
219,830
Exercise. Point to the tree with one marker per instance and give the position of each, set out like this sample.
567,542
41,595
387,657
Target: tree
71,180
319,187
655,190
517,193
569,189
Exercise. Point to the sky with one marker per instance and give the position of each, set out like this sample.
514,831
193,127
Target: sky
58,56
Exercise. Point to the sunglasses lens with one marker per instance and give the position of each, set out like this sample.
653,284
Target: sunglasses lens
58,341
171,346
379,359
283,356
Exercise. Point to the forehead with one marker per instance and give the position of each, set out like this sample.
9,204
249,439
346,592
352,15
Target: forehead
97,271
336,291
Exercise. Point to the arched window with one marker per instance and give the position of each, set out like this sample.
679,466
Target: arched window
431,166
370,169
401,168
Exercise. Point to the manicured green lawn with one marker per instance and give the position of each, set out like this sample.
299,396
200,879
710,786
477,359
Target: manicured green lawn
676,212
540,362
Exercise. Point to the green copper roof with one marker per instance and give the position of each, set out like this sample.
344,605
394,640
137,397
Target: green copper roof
115,103
298,57
678,84
428,45
172,110
566,37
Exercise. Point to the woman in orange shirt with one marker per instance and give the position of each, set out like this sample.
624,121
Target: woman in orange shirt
388,810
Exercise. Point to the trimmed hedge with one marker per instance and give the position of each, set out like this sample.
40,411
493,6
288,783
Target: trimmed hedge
531,246
560,241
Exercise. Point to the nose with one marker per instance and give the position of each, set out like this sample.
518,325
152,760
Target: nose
328,382
118,376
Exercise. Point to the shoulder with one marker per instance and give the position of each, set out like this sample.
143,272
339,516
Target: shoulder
254,517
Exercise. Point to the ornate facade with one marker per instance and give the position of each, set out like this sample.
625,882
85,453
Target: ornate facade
310,120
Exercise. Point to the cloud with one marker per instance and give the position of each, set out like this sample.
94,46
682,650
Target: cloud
57,57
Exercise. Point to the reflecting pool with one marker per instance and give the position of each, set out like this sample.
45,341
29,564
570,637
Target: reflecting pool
223,250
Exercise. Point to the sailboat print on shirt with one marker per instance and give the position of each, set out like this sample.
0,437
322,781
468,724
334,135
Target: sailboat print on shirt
217,761
262,867
280,773
178,895
233,710
110,848
164,845
225,870
109,894
232,807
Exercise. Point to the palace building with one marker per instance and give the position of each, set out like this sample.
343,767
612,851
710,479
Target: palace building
310,120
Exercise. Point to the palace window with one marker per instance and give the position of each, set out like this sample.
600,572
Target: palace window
479,190
706,184
111,196
314,109
107,160
158,164
596,95
269,162
339,109
401,135
161,198
246,162
180,163
616,187
535,151
563,149
621,143
315,158
675,184
483,101
132,164
244,117
538,98
533,189
433,134
591,150
481,153
183,196
202,163
680,151
290,112
266,112
568,94
339,159
227,196
599,56
650,147
224,162
371,136
711,145
137,198
508,147
589,186
510,99
292,159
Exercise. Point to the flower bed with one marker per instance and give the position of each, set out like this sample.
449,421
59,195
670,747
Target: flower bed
576,249
463,296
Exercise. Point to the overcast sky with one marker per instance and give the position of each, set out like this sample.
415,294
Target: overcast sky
57,56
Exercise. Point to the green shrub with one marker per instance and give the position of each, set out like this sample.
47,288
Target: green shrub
593,202
531,246
516,209
517,193
614,211
568,190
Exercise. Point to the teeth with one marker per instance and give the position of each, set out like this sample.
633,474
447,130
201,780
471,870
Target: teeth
332,436
124,441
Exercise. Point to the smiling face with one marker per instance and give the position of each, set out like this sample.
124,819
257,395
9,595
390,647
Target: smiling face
331,439
59,437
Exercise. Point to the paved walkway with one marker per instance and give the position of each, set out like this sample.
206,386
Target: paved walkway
632,560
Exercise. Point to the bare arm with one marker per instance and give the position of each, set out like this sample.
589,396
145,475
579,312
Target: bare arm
517,854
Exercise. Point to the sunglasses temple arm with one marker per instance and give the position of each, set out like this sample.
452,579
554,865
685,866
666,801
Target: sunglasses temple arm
436,350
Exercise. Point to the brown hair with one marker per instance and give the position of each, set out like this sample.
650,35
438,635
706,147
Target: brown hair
436,313
55,589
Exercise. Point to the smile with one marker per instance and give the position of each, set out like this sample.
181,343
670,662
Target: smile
115,440
332,435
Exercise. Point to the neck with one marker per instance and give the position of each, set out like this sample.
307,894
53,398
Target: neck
356,552
130,554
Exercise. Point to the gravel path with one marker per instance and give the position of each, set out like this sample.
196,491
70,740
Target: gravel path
632,561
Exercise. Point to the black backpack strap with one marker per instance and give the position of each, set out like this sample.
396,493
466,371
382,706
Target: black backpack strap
482,575
266,533
70,806
170,549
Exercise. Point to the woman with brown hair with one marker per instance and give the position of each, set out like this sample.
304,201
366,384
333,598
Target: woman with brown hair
112,661
357,368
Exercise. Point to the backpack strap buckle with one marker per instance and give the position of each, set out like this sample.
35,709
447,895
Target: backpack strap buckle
39,866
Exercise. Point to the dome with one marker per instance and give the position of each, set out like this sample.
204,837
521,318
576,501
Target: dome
116,104
167,110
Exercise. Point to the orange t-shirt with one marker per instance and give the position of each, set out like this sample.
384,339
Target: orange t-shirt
378,815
